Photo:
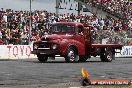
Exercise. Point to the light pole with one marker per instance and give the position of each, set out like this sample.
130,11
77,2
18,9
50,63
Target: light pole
30,24
57,7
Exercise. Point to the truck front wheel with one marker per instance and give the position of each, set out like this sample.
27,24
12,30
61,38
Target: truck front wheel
42,58
107,56
71,55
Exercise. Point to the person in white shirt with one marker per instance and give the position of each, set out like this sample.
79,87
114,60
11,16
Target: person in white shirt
5,17
0,35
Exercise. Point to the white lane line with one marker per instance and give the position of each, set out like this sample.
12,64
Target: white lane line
74,87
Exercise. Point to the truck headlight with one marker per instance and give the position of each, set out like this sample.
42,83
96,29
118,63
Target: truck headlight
35,46
54,46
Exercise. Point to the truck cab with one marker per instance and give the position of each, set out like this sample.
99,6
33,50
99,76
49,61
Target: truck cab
73,41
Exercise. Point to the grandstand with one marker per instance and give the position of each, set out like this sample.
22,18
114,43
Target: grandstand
14,25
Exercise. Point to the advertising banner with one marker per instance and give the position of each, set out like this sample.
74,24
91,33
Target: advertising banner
125,52
16,52
24,52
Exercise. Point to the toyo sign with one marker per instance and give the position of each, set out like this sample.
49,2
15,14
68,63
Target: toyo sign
20,50
16,51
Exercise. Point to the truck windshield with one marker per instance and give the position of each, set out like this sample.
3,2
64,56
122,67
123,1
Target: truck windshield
62,29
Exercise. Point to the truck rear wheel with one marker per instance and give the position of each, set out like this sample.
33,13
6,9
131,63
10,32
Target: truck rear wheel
42,58
71,55
107,56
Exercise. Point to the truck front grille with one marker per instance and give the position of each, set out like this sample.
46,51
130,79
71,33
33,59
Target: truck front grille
45,45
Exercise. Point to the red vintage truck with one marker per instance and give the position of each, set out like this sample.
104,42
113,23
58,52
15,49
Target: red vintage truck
73,41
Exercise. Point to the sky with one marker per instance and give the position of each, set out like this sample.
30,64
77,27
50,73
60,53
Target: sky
48,5
24,4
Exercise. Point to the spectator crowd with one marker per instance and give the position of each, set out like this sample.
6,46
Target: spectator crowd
14,25
119,8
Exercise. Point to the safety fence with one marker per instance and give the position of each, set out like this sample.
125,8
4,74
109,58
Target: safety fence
24,52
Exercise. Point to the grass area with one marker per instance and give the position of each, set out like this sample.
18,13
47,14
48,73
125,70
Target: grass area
125,86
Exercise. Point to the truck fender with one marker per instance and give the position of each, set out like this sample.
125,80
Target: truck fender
64,51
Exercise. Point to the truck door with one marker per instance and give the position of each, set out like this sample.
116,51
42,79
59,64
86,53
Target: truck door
88,39
80,34
80,39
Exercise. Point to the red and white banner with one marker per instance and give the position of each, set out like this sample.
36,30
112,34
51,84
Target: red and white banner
24,52
16,51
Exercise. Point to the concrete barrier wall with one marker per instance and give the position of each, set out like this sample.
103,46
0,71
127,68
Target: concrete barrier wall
24,52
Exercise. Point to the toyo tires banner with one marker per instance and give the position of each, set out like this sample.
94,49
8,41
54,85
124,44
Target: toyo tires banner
24,52
15,51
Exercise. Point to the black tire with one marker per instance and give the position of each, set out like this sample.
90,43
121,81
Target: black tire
71,55
83,58
42,59
107,56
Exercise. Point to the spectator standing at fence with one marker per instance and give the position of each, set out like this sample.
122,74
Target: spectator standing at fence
130,24
35,37
5,17
0,35
24,38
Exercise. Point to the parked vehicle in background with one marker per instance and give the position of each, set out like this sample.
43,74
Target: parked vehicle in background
73,41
